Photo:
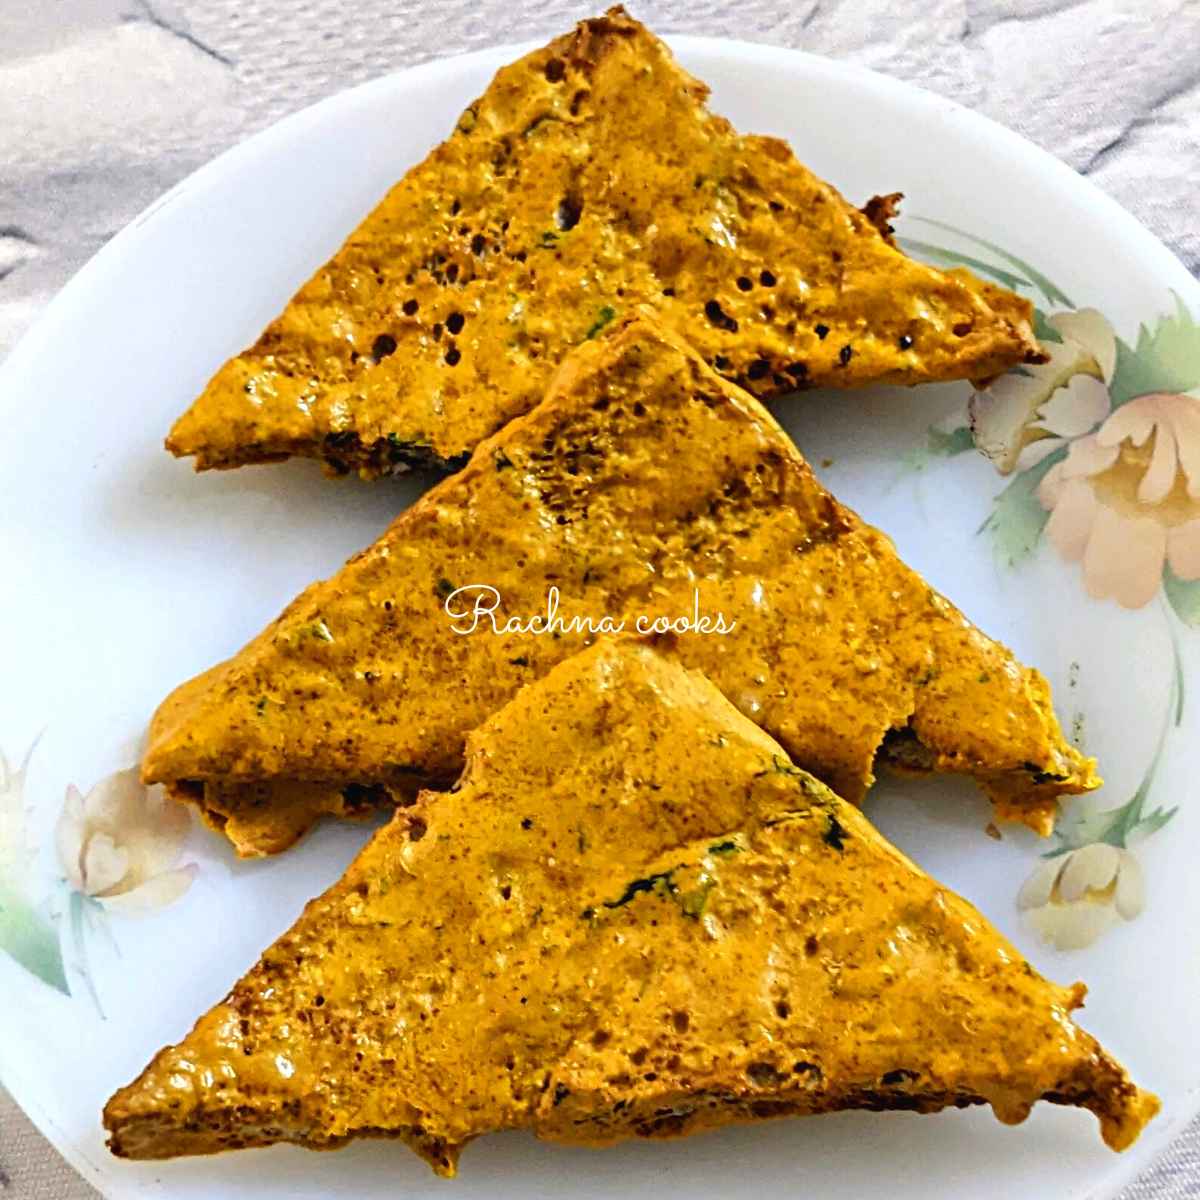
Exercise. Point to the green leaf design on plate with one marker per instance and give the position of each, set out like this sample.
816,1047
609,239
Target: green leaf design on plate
25,934
1166,358
939,443
31,940
940,256
1018,518
1183,596
1053,293
1117,826
947,445
84,914
1042,329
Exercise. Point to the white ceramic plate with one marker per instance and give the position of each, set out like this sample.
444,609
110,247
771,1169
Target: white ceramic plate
122,572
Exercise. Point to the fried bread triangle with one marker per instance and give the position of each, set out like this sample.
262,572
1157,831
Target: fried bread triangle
588,178
633,917
642,481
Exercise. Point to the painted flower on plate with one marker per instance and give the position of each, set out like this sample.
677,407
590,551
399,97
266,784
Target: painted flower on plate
1125,502
13,850
119,845
1028,414
1072,899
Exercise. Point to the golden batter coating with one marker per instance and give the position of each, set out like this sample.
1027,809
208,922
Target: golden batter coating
634,917
589,177
642,477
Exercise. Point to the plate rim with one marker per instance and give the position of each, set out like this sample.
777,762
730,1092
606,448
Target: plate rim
74,297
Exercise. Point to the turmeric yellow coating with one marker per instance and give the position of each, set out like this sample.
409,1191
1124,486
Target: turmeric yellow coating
588,178
642,477
633,917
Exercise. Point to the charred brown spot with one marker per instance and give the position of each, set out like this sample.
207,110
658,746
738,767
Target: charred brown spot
382,346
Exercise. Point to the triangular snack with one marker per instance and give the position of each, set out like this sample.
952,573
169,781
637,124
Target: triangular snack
633,917
643,478
588,178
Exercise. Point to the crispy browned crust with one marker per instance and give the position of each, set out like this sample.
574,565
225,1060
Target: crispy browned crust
632,917
881,211
588,179
269,816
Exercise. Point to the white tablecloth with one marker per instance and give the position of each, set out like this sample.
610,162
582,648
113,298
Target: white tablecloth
104,104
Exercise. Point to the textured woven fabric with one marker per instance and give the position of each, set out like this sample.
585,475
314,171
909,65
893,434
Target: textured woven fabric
104,104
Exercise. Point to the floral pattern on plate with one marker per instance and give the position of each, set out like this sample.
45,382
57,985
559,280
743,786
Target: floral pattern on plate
1101,445
117,848
27,928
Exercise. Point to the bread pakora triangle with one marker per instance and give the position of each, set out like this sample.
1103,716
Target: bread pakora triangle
643,478
633,917
588,178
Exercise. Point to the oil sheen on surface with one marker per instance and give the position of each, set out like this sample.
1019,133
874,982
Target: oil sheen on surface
642,477
634,917
590,177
